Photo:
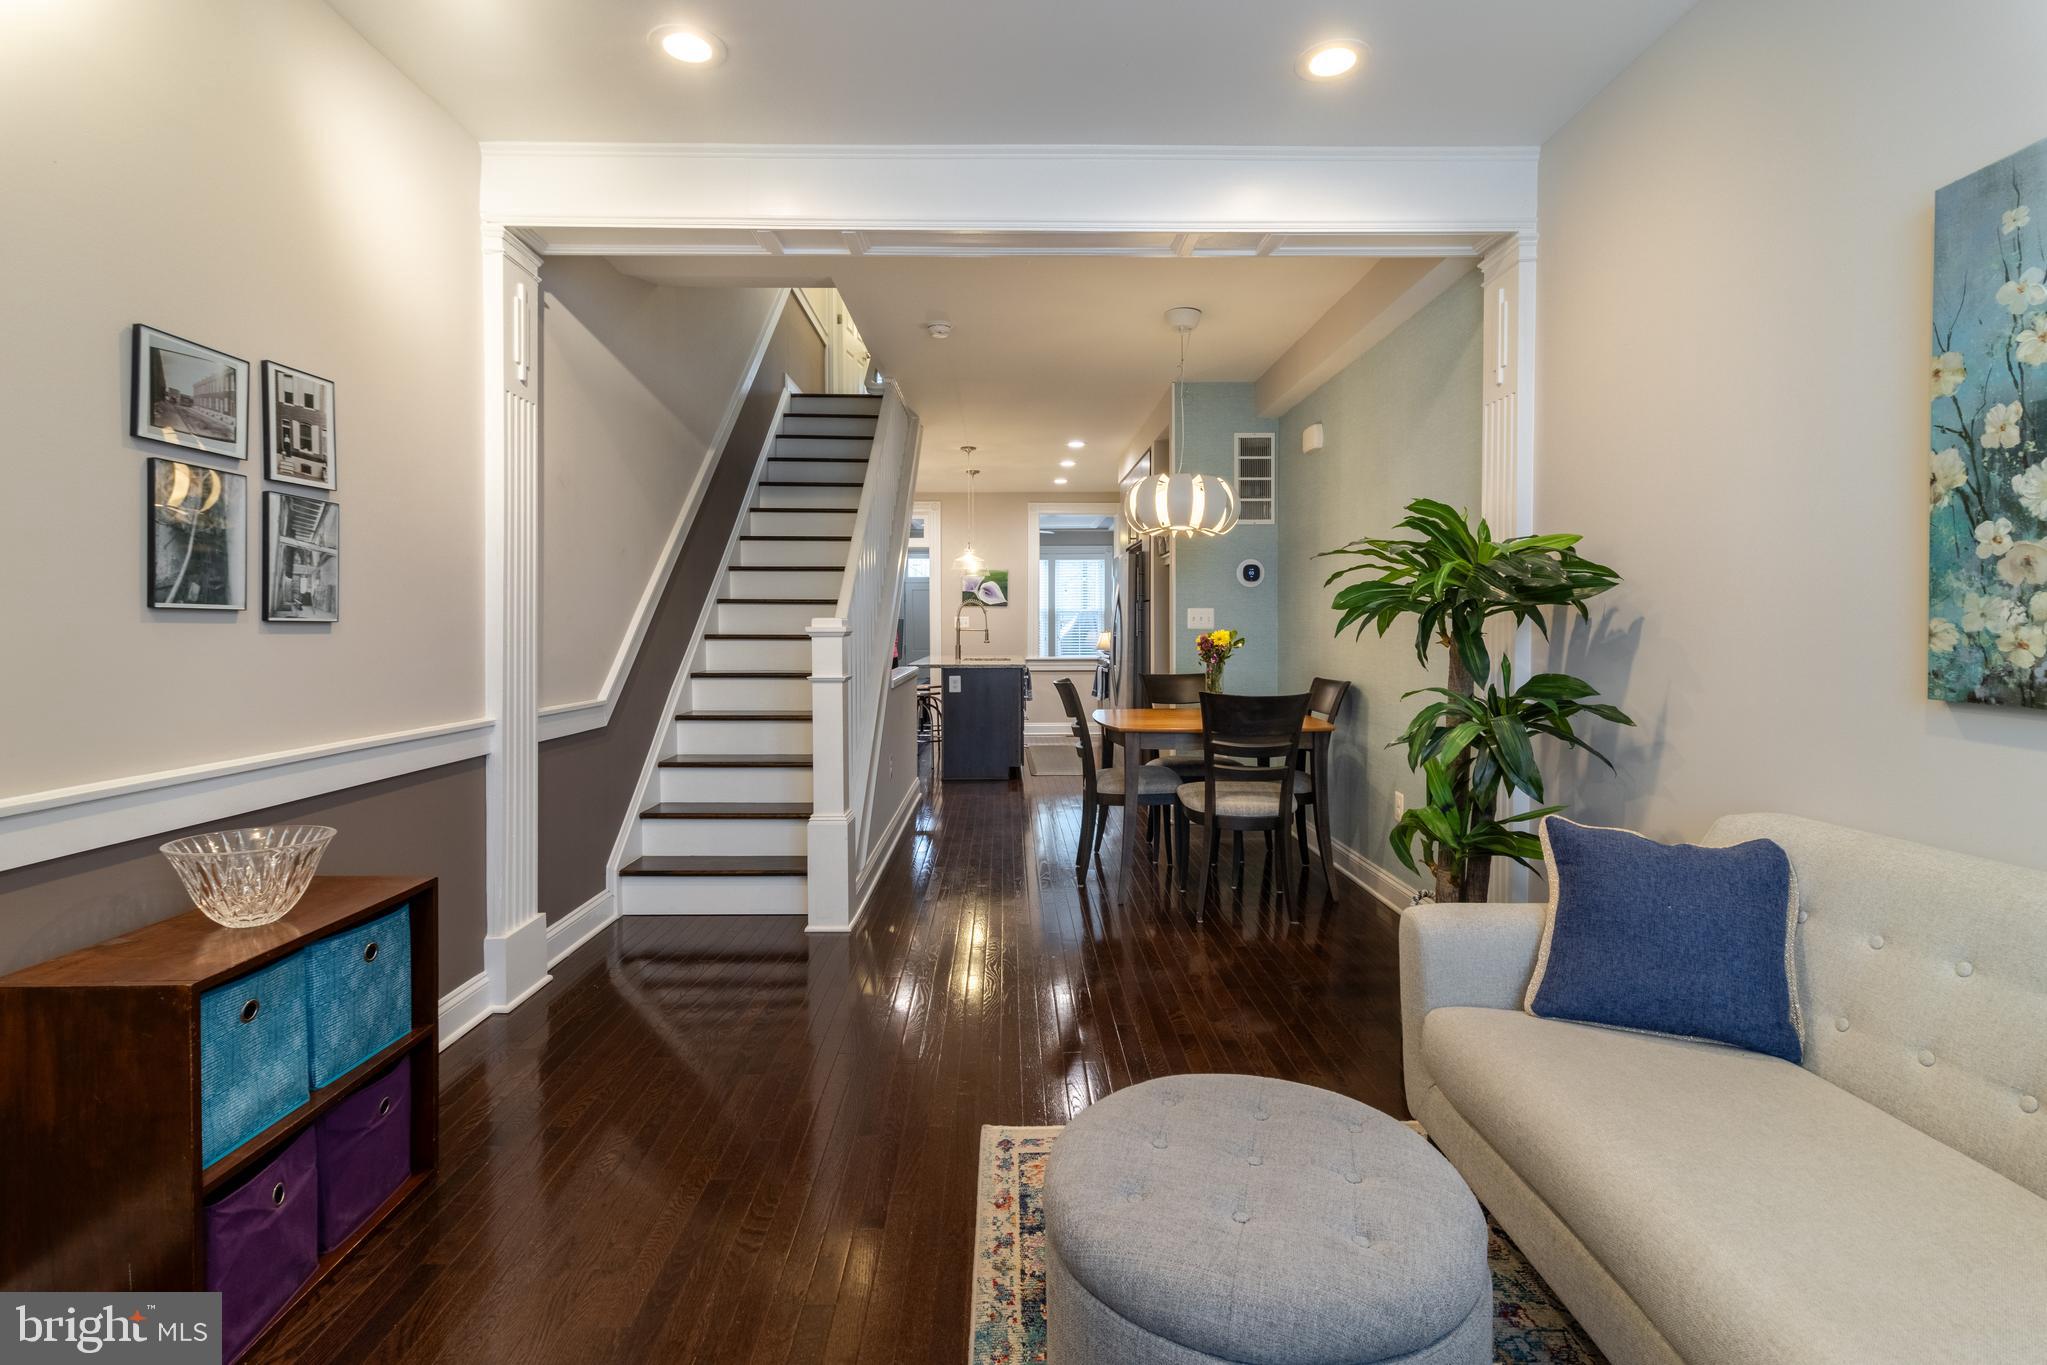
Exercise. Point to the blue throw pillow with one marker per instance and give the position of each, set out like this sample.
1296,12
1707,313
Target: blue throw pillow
1669,938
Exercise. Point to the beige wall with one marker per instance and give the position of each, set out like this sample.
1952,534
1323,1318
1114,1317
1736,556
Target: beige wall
251,175
1735,276
635,380
1004,541
1401,422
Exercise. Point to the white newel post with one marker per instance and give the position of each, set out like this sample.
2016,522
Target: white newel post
830,847
1507,498
515,942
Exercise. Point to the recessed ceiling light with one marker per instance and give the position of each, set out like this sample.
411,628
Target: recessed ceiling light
1327,61
1059,480
691,46
1076,445
1066,464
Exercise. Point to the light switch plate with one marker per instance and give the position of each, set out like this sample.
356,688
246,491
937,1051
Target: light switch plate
1201,618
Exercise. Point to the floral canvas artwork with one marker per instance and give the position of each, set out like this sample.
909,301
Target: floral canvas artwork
1987,462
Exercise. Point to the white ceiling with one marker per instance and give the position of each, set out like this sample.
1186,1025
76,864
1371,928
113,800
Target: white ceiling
1441,72
1048,349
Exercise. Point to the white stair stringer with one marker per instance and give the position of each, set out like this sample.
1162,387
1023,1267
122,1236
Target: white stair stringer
723,815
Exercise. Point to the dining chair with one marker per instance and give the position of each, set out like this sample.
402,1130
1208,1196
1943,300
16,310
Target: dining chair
1326,697
1175,690
1250,747
1102,788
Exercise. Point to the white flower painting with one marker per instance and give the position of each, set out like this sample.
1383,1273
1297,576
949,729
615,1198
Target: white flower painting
1986,471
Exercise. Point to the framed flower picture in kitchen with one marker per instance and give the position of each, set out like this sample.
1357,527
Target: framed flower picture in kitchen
1986,472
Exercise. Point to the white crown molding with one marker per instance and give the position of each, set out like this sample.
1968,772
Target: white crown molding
867,189
38,826
573,718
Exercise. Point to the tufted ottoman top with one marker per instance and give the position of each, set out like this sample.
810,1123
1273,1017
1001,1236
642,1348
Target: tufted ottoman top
1258,1220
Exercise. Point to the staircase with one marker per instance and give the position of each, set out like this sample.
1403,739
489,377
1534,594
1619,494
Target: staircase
723,819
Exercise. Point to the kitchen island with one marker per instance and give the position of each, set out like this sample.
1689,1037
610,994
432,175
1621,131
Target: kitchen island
983,698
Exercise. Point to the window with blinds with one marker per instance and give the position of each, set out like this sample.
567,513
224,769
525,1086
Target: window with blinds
1073,603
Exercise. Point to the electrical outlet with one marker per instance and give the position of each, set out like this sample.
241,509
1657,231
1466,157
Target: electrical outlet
1399,806
952,684
1201,618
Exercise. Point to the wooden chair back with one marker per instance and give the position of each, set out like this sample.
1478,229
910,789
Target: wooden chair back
1251,739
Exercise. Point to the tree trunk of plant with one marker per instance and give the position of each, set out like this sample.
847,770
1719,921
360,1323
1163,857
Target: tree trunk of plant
1475,883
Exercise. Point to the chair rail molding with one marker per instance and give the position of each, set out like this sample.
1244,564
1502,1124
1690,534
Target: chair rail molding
858,189
515,942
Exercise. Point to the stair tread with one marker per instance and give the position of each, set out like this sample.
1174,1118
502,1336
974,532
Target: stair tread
785,568
727,810
798,483
780,601
736,761
821,566
718,865
746,635
816,435
749,673
743,715
820,459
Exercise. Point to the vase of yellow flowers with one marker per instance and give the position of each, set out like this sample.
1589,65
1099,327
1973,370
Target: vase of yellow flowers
1215,649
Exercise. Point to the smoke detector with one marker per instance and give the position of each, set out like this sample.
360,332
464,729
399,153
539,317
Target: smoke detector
939,330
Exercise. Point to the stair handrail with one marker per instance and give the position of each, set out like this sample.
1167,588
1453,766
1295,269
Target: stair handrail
851,653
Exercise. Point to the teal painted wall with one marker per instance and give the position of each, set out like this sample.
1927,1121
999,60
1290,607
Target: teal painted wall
1205,571
1400,422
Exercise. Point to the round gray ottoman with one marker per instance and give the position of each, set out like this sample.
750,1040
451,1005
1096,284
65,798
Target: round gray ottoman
1230,1218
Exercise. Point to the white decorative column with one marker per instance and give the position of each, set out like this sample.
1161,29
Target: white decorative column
830,863
515,942
1507,495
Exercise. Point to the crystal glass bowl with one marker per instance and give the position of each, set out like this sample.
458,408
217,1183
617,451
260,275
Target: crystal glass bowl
246,877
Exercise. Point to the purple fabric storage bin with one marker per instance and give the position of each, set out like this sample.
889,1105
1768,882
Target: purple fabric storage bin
263,1242
365,1152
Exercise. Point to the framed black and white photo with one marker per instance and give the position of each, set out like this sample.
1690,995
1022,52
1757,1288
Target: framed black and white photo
198,537
190,395
301,558
298,413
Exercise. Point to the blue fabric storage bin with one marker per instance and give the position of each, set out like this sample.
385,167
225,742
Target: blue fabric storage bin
359,993
252,1055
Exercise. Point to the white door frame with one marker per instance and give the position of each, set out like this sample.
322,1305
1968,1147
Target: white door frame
540,199
933,521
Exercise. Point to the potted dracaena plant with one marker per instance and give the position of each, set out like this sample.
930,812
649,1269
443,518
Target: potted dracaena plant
1472,746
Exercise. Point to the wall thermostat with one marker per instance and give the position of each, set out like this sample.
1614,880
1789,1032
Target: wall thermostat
1250,573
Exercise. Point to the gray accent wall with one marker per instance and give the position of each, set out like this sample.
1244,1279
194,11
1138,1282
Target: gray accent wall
1401,422
590,781
427,824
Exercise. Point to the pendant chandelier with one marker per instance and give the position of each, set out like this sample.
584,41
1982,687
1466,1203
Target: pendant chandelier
1180,503
969,562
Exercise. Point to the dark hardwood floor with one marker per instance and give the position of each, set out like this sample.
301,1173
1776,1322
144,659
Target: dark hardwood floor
723,1139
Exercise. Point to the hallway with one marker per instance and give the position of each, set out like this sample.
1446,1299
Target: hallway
722,1139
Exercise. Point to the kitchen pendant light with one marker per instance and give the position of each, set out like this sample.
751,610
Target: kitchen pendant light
969,562
1180,503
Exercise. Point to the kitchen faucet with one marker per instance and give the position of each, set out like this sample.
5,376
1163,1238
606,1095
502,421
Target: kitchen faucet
959,622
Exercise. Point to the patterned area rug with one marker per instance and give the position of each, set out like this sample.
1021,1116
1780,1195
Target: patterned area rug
1529,1326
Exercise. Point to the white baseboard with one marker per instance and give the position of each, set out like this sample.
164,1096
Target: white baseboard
1375,878
463,1008
877,859
39,826
580,925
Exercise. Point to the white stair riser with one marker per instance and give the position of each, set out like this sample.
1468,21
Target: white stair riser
864,404
801,524
713,895
799,424
843,497
772,618
851,447
741,736
768,656
749,694
822,554
733,784
722,838
755,583
850,472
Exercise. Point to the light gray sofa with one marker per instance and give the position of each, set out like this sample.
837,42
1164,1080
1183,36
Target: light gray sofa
1884,1202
